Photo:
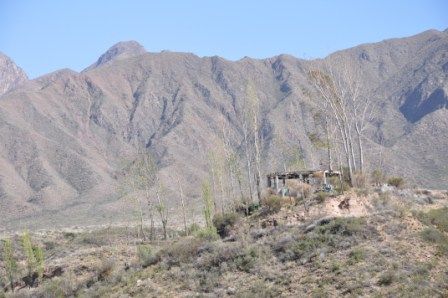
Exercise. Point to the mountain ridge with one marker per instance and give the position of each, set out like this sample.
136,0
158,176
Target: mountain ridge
67,132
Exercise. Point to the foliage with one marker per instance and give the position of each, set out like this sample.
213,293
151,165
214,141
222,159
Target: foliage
387,278
433,235
27,246
145,255
246,261
359,180
272,204
317,141
9,261
437,217
207,233
39,255
377,177
356,255
398,182
321,196
223,222
208,201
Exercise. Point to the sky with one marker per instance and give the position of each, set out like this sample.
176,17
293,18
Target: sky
44,36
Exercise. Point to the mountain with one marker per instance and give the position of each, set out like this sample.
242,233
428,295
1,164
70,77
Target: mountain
67,134
121,50
11,75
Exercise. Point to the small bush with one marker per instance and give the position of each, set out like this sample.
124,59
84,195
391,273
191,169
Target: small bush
299,189
377,177
145,255
438,218
105,269
321,196
224,222
359,180
432,235
246,261
209,234
356,255
182,251
272,204
387,278
398,182
362,192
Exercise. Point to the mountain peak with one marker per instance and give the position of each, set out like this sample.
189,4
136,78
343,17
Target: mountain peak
10,74
122,49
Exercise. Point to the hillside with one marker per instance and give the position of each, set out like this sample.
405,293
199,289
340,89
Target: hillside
65,135
383,243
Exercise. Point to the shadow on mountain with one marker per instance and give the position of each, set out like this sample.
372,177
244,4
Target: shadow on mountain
415,107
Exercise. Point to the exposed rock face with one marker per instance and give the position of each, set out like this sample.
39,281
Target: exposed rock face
121,50
65,135
11,75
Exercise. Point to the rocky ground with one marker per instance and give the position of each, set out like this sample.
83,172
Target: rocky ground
369,242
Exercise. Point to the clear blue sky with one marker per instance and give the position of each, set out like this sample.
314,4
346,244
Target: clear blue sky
42,36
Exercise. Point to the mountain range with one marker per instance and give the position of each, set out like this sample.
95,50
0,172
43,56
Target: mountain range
65,135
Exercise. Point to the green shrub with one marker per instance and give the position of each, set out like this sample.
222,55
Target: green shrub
398,182
272,204
377,177
224,222
182,251
438,218
433,235
209,234
145,255
356,255
247,260
321,196
387,278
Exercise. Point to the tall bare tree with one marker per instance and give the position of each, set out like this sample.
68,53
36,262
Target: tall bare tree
341,91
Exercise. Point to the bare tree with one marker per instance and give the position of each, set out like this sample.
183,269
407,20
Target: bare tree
182,203
139,178
161,207
341,92
254,114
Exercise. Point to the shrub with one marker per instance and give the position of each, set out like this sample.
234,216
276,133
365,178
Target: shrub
9,261
272,204
105,269
359,180
193,228
207,233
182,251
223,223
299,189
377,177
321,196
398,182
439,218
356,255
247,260
145,255
433,235
387,278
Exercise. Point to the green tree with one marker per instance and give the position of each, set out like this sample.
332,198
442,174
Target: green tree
10,262
40,259
27,245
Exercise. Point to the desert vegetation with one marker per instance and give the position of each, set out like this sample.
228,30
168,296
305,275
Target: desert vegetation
386,243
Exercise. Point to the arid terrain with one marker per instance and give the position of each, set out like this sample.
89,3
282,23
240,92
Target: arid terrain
379,243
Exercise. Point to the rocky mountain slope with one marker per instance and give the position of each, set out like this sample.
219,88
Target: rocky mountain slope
65,135
11,75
